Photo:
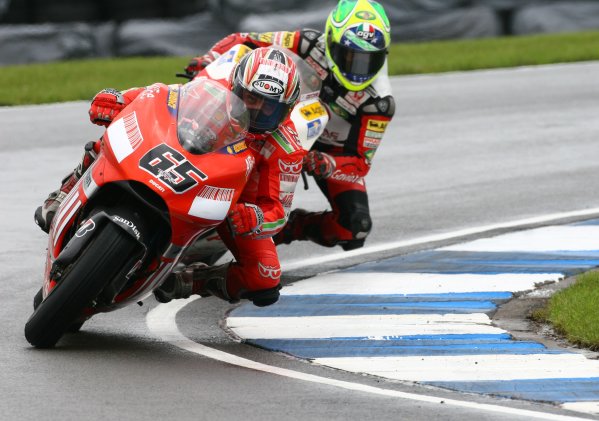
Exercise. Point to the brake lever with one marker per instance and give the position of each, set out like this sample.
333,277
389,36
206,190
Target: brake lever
184,75
305,179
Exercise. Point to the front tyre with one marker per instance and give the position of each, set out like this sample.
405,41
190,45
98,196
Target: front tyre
104,258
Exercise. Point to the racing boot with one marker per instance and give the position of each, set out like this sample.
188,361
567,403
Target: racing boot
196,279
44,214
293,229
303,225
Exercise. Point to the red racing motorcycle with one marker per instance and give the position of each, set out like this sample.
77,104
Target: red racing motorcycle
169,170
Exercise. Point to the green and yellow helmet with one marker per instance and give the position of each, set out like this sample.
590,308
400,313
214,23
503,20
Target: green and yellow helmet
357,35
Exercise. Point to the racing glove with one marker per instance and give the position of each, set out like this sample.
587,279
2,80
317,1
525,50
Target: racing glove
197,64
246,218
319,164
105,106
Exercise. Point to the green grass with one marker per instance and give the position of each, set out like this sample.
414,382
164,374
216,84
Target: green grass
491,53
81,79
574,311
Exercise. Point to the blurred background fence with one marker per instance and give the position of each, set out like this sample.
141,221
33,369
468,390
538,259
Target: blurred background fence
48,30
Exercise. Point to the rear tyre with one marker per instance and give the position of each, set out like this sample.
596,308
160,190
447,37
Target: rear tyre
104,258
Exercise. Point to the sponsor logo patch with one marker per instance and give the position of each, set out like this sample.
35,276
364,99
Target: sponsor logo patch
376,135
236,148
286,199
363,14
270,87
273,272
377,125
313,111
346,105
365,36
88,226
357,98
339,111
289,178
173,100
371,143
150,92
369,155
266,37
127,223
294,167
314,128
288,39
347,178
242,50
331,135
217,193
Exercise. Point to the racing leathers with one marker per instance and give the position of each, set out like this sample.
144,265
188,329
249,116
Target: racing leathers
255,273
357,123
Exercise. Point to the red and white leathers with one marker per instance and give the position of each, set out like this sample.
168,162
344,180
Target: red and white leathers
357,123
278,156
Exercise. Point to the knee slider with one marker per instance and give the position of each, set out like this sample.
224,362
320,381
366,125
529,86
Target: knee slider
354,214
263,297
361,224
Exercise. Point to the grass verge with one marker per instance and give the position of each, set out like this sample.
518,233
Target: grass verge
574,312
81,79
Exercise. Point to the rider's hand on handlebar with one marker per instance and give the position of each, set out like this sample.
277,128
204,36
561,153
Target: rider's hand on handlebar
319,164
197,64
105,106
246,218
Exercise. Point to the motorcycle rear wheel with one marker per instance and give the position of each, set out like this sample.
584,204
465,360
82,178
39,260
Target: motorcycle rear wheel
102,260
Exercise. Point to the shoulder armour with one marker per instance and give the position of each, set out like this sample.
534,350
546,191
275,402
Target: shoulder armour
286,138
308,39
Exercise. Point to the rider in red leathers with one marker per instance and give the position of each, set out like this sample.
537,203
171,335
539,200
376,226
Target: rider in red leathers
267,81
350,57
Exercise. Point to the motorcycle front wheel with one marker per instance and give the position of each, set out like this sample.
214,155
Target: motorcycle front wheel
103,259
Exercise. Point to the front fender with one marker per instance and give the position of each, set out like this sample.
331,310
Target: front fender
86,232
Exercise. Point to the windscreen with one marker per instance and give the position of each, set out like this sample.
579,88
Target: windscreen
210,117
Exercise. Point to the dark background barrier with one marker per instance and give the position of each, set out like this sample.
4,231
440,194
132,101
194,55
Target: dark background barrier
38,30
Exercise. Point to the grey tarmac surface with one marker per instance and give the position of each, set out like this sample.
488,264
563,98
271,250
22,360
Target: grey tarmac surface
465,150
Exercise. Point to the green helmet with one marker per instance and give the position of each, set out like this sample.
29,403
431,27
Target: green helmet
357,35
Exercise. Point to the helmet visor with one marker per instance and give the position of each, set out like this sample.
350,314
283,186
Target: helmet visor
265,113
357,66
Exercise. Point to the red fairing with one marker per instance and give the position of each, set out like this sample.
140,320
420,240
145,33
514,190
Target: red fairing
142,145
